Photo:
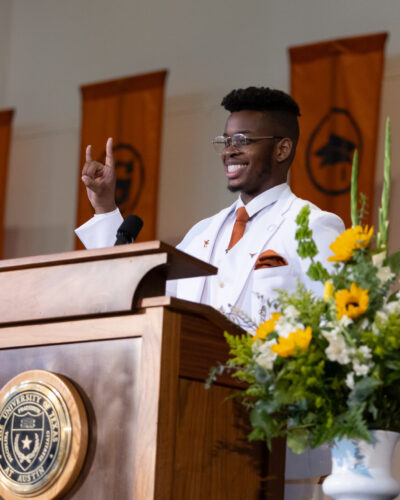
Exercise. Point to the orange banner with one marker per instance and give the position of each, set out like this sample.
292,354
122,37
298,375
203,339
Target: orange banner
6,118
337,85
129,110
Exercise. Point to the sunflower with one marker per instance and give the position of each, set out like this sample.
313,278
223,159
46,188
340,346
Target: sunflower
351,303
351,239
267,327
286,346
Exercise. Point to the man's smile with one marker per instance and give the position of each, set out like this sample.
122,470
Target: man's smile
234,169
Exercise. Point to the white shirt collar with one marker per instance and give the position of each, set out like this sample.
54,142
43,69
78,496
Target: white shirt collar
261,201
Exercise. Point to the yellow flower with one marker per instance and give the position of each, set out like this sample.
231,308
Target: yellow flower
267,327
345,244
286,346
328,291
351,303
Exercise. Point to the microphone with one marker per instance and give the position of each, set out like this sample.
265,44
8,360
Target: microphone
128,230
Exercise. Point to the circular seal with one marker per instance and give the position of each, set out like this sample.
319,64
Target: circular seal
43,436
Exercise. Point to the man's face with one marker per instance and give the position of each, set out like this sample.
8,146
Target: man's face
251,169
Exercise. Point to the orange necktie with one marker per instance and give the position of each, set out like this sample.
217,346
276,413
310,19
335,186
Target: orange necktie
239,226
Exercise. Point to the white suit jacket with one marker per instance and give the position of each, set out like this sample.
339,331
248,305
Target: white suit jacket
238,283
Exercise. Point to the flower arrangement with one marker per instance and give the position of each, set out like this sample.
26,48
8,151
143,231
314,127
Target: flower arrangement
328,367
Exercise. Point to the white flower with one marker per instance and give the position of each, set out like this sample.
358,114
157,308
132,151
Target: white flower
360,369
285,325
324,323
345,321
350,380
291,313
382,316
385,274
365,324
331,334
392,307
365,351
338,350
350,273
378,259
265,357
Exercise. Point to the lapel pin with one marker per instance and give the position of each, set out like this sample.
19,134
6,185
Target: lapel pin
252,255
206,242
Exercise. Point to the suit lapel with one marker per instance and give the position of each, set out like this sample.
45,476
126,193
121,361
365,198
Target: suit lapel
201,247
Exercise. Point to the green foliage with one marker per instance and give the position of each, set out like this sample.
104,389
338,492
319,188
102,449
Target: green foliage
362,391
384,208
307,247
353,197
317,272
394,262
363,210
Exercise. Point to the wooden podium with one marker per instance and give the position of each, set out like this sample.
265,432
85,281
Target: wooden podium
138,360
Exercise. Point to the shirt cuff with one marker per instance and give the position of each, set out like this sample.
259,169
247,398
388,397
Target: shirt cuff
100,231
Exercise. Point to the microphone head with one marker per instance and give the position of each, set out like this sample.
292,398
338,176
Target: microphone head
129,230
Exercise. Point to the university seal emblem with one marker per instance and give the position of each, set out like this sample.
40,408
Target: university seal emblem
42,427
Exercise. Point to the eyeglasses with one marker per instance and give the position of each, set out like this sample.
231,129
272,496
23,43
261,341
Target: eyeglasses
221,142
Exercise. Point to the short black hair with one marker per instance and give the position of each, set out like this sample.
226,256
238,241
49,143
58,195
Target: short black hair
281,106
260,99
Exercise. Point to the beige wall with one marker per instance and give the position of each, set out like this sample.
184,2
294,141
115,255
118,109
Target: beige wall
48,48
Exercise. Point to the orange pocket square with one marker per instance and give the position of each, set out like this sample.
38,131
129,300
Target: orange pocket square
269,258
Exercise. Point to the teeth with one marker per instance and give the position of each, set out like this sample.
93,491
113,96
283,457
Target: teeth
234,168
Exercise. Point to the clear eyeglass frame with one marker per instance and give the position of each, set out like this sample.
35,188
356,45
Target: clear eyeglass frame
238,141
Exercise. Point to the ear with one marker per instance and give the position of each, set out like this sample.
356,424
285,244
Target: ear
283,149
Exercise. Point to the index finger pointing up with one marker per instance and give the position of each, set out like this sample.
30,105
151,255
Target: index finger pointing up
109,152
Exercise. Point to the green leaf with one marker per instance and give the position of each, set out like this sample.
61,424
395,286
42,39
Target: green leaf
353,198
297,439
317,272
393,365
302,216
382,236
303,233
262,375
394,262
362,389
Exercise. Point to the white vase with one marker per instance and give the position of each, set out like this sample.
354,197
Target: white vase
361,470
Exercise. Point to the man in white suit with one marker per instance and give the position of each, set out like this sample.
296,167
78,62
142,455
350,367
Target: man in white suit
255,251
257,149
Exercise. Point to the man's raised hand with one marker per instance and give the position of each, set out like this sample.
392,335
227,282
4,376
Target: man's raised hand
100,180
